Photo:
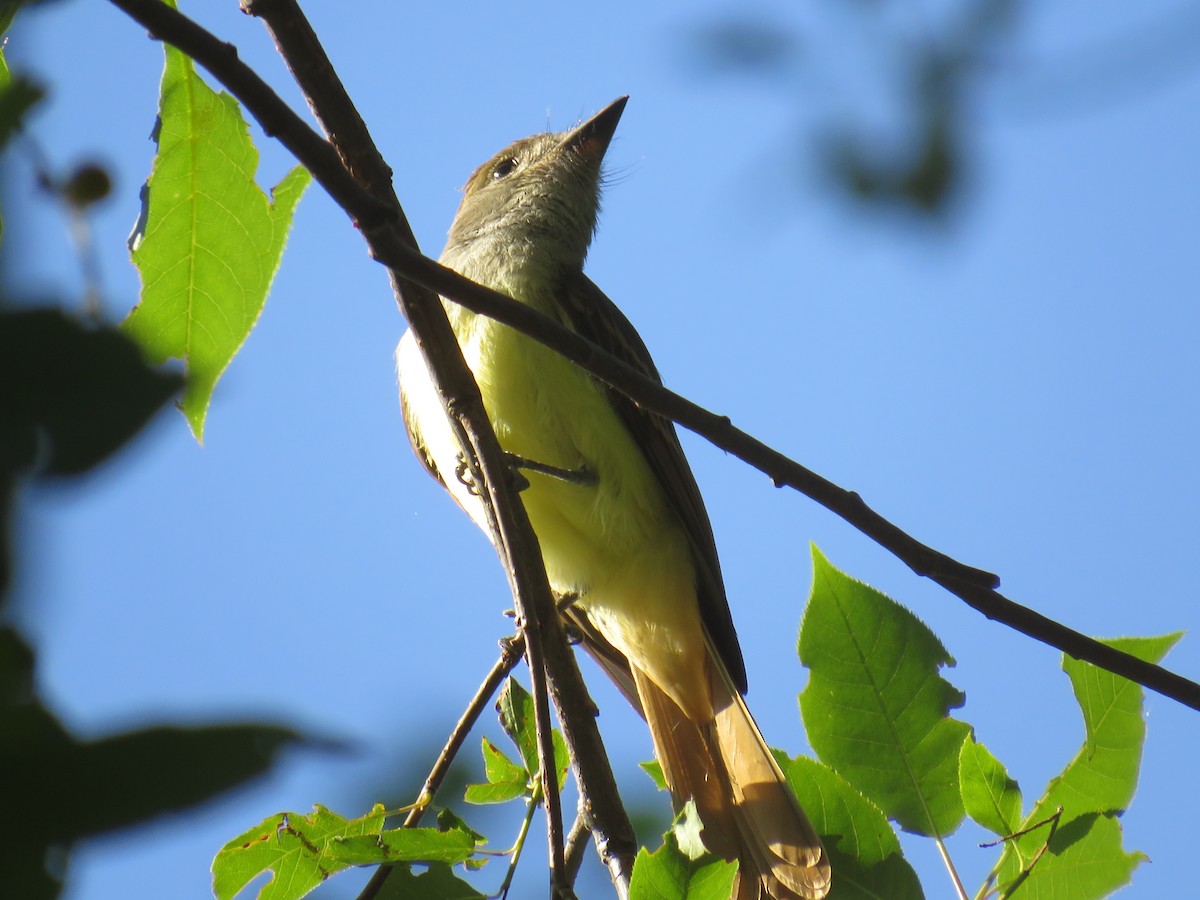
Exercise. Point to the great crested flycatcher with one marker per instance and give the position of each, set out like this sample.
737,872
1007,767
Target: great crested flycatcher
611,499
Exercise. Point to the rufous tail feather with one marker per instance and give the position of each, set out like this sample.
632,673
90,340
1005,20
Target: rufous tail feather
746,806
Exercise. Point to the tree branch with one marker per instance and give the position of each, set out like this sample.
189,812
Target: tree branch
974,586
381,220
511,650
515,542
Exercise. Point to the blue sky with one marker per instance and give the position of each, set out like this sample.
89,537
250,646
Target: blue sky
1015,385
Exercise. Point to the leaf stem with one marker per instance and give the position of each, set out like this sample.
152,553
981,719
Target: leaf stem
959,890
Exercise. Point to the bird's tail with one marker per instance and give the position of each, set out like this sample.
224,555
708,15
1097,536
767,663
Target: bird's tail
748,810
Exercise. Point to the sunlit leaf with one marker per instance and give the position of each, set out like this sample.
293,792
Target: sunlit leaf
670,874
991,798
424,845
515,708
210,241
653,768
1084,858
863,849
294,848
875,708
505,779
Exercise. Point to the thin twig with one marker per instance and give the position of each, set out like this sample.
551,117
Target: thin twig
1026,870
305,57
511,650
531,805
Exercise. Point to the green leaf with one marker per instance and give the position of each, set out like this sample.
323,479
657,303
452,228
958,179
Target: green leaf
505,779
424,845
517,718
211,240
515,709
303,851
1106,770
875,708
448,820
669,874
1084,858
295,848
438,883
654,769
991,798
687,830
864,852
71,393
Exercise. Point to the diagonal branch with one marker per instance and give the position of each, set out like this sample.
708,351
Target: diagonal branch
975,587
511,650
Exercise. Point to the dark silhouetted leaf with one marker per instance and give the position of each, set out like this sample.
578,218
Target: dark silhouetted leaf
70,393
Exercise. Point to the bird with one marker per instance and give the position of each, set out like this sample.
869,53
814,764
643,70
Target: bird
609,493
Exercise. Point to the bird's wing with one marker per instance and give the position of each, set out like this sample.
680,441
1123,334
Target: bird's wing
592,315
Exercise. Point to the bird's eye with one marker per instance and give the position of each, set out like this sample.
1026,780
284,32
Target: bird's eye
504,168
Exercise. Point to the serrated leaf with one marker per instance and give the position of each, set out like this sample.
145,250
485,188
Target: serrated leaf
1112,716
864,852
1084,858
499,768
294,848
669,874
505,779
875,707
991,798
211,241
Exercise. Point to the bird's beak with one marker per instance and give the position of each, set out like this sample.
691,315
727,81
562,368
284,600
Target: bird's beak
592,138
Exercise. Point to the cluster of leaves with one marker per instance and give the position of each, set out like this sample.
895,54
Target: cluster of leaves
73,392
877,712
